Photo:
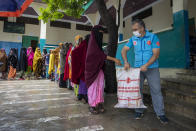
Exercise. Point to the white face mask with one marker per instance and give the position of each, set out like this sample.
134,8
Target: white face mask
136,33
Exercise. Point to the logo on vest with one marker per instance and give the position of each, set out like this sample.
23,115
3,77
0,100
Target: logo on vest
134,43
158,44
149,42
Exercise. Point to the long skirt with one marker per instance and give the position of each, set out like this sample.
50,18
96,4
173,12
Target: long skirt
47,75
82,88
12,73
69,84
29,71
56,74
62,83
96,91
38,69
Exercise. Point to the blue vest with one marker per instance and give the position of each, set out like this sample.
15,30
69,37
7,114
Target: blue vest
143,47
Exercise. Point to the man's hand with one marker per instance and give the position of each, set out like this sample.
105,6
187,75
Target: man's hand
144,68
126,66
124,56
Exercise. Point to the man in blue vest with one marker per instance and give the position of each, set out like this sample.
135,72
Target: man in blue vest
147,49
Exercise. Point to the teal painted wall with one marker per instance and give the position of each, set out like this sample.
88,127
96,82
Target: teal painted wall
174,44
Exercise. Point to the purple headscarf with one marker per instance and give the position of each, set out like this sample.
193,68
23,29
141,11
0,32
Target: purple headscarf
95,57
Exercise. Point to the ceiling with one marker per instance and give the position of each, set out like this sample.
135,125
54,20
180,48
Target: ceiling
130,6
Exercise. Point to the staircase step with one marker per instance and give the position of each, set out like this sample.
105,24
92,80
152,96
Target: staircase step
184,106
184,122
182,85
190,71
180,108
180,96
187,76
175,94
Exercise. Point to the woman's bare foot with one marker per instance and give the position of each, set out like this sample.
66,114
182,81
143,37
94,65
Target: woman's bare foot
101,108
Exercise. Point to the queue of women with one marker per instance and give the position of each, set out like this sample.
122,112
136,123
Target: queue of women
77,66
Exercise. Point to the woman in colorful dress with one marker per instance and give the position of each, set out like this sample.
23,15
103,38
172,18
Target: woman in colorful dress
47,64
78,40
63,53
30,55
23,62
3,61
57,62
12,63
37,63
51,69
78,68
44,70
94,76
67,70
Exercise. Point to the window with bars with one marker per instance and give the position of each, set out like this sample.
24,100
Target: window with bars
60,24
14,27
83,27
144,14
27,20
3,19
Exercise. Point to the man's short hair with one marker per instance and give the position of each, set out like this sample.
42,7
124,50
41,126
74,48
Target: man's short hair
140,22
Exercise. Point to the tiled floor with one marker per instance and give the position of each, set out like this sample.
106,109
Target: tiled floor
39,105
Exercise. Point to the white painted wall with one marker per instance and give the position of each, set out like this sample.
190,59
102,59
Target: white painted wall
31,30
54,35
162,17
57,35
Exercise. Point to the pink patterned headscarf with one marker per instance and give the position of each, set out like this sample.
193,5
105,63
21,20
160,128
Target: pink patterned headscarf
30,55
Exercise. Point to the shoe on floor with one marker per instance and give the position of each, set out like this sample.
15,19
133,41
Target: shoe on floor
138,115
80,96
163,119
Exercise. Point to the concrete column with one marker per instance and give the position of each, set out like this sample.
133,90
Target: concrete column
181,27
43,34
179,5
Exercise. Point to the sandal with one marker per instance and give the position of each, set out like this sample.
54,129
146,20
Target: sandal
93,110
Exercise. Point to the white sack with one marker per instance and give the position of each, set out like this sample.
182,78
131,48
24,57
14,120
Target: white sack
129,95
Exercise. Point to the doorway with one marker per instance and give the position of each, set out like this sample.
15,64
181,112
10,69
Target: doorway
192,38
30,41
34,44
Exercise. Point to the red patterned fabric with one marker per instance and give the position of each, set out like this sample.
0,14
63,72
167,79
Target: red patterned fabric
78,62
66,72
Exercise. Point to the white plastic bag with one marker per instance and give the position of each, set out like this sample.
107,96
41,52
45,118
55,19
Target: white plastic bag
129,95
